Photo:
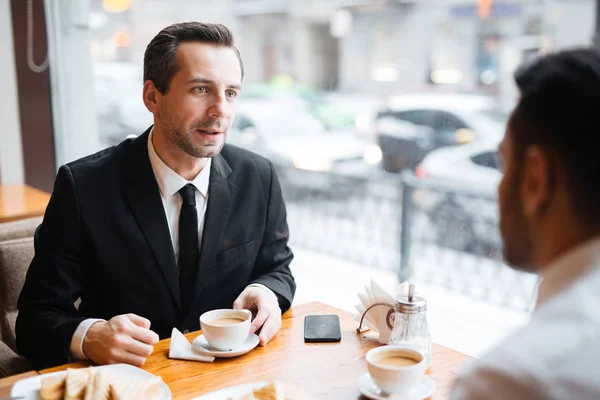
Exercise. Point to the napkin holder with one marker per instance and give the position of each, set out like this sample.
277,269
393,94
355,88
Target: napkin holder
377,309
385,322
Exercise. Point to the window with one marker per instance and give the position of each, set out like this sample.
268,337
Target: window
447,122
487,159
318,107
241,122
419,117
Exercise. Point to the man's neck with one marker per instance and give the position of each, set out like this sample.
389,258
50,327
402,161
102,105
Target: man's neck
183,164
566,261
560,240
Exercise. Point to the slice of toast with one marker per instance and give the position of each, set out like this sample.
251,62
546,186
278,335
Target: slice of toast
77,381
272,391
53,387
278,391
89,389
100,389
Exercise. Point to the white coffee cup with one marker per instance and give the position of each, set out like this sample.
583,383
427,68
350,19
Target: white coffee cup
395,378
221,330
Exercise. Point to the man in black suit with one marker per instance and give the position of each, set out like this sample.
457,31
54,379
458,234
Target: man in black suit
152,233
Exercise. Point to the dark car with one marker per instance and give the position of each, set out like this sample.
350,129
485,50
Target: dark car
413,125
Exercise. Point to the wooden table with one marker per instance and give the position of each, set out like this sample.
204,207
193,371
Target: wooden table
325,370
21,201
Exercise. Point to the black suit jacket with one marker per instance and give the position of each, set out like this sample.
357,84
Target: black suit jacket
105,239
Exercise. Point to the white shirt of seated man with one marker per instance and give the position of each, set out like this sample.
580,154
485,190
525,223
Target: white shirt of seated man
556,355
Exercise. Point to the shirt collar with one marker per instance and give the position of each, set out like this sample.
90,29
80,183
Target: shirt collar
169,182
567,268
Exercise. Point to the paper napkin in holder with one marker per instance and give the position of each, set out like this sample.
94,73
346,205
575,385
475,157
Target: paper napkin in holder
182,349
378,317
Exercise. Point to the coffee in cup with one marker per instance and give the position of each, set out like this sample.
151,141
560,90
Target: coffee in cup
396,360
396,369
226,329
228,321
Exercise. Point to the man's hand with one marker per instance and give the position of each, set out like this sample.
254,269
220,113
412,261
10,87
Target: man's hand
123,339
266,308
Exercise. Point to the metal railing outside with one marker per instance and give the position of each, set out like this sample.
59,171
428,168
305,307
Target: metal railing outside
427,231
450,237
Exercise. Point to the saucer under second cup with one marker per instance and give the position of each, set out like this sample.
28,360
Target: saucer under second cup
423,390
200,344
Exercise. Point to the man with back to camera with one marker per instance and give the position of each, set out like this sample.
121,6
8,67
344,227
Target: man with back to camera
549,200
159,229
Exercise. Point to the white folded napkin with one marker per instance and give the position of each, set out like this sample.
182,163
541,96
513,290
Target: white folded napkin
182,349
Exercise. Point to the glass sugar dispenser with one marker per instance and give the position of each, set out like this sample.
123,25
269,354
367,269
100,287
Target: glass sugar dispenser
410,324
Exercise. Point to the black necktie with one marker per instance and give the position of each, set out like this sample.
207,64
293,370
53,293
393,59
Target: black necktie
188,241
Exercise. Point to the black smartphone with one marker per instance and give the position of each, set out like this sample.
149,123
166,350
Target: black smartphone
322,328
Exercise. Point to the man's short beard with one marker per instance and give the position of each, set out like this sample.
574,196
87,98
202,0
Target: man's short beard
179,139
518,244
184,141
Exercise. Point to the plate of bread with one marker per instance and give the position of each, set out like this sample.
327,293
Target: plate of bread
109,382
258,391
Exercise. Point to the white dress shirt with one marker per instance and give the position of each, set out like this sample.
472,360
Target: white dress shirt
556,355
169,184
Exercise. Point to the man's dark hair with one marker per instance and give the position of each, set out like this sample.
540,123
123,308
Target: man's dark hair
160,58
559,110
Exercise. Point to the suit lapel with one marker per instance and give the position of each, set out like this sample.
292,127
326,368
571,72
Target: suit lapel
220,193
143,195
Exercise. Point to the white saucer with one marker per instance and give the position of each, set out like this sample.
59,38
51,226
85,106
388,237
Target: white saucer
423,390
201,345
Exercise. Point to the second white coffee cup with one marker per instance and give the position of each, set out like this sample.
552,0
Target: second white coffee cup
226,329
396,369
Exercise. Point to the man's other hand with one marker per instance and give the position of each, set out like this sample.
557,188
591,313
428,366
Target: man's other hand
123,339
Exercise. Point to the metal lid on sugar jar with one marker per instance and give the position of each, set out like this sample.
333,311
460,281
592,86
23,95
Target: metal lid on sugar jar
411,304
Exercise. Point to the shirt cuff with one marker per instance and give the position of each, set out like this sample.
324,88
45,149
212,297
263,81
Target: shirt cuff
79,335
265,288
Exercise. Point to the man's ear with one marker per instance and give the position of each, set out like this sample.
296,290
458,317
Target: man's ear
536,182
151,96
